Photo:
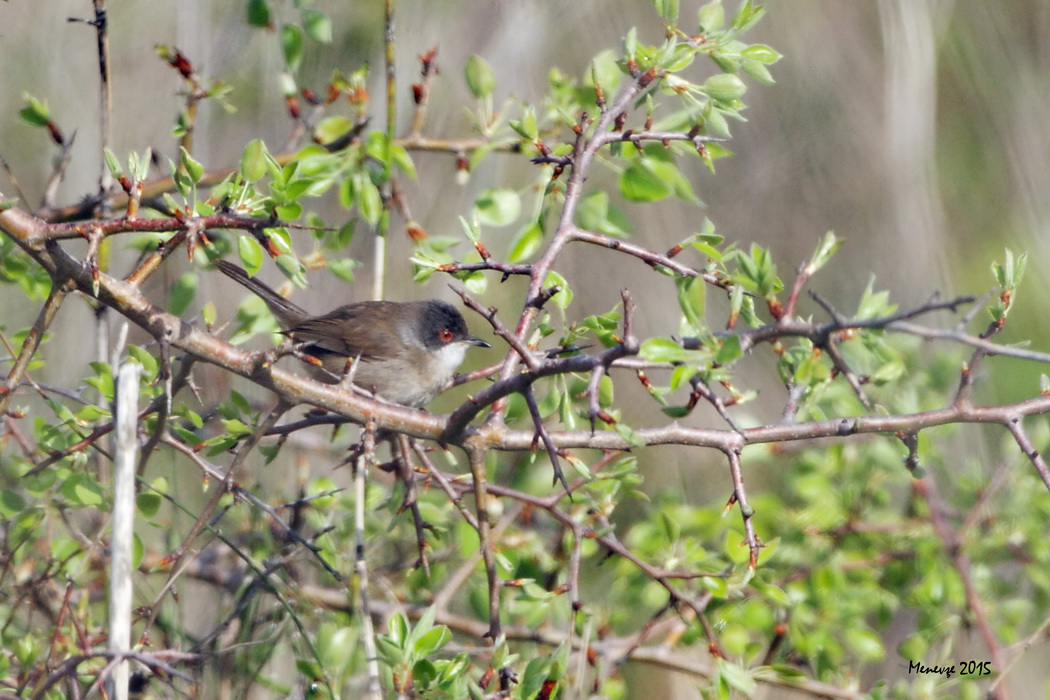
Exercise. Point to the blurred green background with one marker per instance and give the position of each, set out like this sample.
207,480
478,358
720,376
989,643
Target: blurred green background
915,129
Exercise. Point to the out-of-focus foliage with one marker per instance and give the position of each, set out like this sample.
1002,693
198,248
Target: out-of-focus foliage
873,554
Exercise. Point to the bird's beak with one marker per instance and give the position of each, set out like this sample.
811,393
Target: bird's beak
478,341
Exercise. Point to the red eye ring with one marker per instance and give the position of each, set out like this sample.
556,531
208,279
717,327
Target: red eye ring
445,335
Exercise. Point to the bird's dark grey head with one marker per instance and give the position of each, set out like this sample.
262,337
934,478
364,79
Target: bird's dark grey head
441,325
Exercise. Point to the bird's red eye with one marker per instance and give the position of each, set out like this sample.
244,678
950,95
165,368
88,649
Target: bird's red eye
445,335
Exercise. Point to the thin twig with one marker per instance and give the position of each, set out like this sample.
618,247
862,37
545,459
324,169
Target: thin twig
32,342
927,489
548,444
481,498
1025,443
365,460
489,314
746,512
407,475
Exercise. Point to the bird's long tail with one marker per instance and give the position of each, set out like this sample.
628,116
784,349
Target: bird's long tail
288,314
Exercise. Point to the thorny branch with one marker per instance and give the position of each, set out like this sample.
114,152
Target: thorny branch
522,366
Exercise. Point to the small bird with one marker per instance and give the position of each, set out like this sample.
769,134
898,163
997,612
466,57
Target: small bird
406,352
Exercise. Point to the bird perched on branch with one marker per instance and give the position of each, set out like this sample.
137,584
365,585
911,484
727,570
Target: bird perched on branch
406,352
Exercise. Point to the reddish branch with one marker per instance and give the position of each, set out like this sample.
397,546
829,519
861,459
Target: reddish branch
927,489
295,389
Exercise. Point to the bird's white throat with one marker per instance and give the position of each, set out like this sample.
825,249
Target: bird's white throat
447,359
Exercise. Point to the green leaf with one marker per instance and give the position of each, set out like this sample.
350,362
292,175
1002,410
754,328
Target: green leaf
369,202
564,297
209,313
11,503
729,351
476,283
605,71
724,87
692,297
35,113
253,161
526,243
663,350
595,213
193,169
343,268
480,79
112,163
758,71
828,246
526,126
1011,271
92,413
747,15
398,629
630,44
292,46
712,16
251,253
144,358
318,26
639,183
148,503
258,13
761,53
331,128
913,648
82,490
497,207
293,269
139,165
403,161
433,640
182,293
737,677
667,9
287,84
864,643
758,272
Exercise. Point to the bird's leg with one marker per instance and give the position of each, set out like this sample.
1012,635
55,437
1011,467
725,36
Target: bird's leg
349,370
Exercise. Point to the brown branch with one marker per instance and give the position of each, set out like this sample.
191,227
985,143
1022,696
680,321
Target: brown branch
787,327
831,347
542,434
421,91
32,343
109,227
455,429
746,512
506,269
446,486
650,258
406,474
58,173
665,137
224,484
926,488
212,472
1025,443
583,153
481,505
658,657
609,540
489,314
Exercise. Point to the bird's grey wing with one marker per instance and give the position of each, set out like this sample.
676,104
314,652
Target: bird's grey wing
351,331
